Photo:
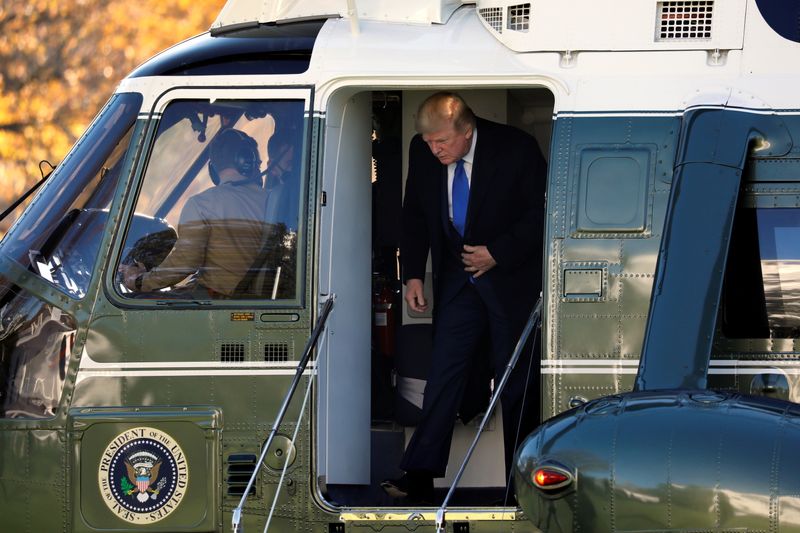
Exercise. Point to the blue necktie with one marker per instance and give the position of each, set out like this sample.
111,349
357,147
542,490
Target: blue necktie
460,197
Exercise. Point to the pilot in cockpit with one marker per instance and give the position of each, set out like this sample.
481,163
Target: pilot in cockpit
221,231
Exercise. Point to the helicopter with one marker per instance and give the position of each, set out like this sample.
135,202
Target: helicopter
137,394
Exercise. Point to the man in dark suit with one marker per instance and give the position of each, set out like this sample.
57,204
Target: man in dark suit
475,200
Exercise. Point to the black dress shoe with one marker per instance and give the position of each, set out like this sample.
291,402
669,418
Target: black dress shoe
396,488
414,486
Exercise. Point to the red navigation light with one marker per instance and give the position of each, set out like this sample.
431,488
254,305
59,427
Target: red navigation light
549,478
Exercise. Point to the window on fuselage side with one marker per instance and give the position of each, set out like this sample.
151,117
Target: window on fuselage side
762,283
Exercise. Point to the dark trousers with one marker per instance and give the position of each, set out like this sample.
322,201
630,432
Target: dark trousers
459,327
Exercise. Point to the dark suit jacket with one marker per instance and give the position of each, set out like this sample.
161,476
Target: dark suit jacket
505,213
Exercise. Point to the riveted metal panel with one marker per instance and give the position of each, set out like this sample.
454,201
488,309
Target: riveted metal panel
593,343
103,442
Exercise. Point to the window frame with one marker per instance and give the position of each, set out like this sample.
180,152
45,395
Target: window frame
212,94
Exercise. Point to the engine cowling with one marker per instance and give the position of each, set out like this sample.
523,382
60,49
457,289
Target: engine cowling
664,461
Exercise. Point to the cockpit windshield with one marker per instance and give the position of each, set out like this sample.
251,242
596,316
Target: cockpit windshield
58,236
218,212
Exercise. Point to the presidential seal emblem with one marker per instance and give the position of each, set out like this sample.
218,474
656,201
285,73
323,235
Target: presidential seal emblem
143,475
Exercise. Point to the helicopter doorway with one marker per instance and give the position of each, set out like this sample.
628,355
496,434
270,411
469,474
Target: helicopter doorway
373,375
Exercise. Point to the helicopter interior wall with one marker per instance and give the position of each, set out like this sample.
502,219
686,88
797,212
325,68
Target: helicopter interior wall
397,341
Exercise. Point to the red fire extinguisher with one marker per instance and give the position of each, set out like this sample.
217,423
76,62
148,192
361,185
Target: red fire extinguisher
383,319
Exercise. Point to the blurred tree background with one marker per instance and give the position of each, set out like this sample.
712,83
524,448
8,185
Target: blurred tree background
60,60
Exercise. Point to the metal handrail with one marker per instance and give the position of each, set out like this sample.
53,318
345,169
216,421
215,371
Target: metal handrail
533,320
301,367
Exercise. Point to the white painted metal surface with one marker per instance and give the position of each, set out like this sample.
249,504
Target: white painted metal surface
463,54
408,11
574,25
343,418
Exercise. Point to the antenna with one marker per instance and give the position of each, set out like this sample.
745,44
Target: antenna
352,12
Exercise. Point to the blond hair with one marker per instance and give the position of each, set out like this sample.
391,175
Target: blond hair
441,110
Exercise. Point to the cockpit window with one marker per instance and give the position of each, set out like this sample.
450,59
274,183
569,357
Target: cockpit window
58,236
218,213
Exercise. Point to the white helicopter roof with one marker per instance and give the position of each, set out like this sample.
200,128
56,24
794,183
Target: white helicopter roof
237,12
527,26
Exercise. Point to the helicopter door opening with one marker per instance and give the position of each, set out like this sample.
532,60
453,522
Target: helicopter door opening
375,357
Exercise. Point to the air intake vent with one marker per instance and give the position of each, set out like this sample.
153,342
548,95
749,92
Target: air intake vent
276,352
684,20
519,17
493,17
240,468
230,352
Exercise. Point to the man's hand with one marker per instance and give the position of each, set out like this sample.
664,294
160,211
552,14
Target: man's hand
415,298
130,273
477,260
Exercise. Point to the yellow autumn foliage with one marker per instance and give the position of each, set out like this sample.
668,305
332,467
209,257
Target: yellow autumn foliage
60,60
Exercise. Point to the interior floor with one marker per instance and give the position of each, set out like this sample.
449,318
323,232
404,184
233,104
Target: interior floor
387,445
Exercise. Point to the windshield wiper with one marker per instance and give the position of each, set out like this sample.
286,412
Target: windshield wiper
30,191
